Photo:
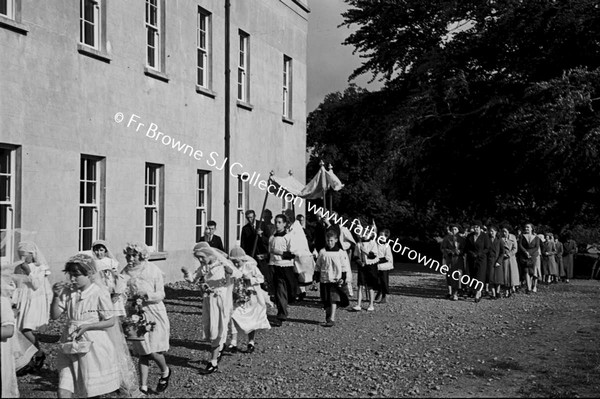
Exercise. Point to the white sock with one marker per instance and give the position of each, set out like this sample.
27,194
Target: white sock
166,373
144,387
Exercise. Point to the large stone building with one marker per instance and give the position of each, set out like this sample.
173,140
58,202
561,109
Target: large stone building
116,119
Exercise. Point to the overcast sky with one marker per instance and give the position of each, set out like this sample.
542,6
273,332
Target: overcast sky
329,62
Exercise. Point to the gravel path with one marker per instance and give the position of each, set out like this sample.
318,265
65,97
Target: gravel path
418,344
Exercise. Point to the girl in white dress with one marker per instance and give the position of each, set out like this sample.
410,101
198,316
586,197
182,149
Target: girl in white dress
251,315
108,270
33,296
145,280
10,388
216,273
89,314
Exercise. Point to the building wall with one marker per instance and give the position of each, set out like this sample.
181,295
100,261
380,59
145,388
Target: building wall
58,104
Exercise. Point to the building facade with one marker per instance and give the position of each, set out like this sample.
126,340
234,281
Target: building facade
142,120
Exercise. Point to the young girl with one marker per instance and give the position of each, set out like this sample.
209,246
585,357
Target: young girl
495,262
10,388
33,296
332,269
89,313
109,275
217,274
145,280
366,257
251,315
385,264
549,266
529,253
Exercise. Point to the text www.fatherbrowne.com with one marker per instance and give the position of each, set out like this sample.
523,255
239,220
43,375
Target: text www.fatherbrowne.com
152,132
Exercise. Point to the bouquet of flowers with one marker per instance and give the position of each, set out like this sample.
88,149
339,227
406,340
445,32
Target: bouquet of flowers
135,325
241,292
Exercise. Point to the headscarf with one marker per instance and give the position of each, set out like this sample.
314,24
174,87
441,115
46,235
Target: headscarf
105,245
31,247
238,253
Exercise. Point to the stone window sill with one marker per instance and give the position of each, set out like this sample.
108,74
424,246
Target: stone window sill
287,120
245,105
156,74
13,25
158,256
92,52
205,91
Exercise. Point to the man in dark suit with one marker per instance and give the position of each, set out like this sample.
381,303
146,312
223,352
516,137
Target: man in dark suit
210,237
257,231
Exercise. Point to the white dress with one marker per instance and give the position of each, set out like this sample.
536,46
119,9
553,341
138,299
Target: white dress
150,278
218,305
251,315
96,372
10,388
114,282
32,299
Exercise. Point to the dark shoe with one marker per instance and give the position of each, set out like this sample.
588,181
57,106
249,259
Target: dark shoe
383,300
232,349
144,391
26,370
301,296
276,323
378,296
38,361
210,368
477,300
250,348
329,323
163,382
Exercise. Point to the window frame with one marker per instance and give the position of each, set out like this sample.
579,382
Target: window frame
242,205
243,75
97,204
13,203
12,19
157,206
205,17
203,207
10,9
96,24
287,87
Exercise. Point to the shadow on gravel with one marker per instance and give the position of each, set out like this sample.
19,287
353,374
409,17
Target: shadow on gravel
182,294
427,288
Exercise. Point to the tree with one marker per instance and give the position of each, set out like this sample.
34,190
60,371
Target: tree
490,109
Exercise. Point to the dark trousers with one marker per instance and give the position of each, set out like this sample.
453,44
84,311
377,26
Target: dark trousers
384,282
286,289
267,272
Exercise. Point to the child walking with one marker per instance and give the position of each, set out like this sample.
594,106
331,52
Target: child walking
332,269
89,312
366,257
32,297
10,388
250,301
145,281
108,270
385,264
216,273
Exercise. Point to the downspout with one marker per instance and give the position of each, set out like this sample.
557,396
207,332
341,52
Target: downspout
227,121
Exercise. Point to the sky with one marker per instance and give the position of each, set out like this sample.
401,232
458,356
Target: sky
329,62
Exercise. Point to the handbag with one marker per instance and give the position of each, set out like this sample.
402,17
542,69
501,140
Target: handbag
75,347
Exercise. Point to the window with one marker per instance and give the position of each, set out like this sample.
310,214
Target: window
7,8
243,68
153,195
287,87
89,23
153,34
203,48
90,201
202,203
8,204
242,205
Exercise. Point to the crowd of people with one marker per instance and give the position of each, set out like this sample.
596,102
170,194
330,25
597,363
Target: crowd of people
104,307
503,262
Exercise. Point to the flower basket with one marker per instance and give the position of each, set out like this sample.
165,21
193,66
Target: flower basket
136,326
